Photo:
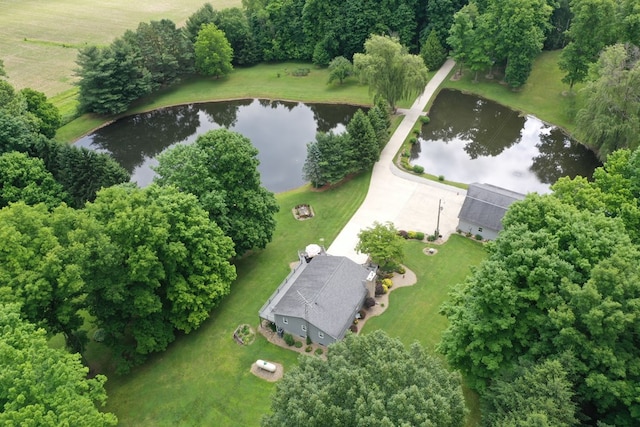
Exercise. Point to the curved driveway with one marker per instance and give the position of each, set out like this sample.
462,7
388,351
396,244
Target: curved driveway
409,202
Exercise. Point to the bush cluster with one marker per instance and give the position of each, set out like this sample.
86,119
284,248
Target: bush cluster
418,169
379,289
301,72
425,119
288,338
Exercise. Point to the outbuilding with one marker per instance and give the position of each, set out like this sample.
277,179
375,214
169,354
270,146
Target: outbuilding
483,209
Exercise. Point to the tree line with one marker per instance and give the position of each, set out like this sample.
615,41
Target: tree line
211,42
558,296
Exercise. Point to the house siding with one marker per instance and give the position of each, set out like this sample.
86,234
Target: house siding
469,227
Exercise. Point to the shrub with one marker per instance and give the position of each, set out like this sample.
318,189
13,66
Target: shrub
273,326
297,344
308,349
413,140
353,328
416,131
379,289
419,235
318,352
401,270
363,314
425,119
478,236
385,289
418,169
387,283
300,72
308,340
431,238
369,302
406,153
411,234
289,340
403,234
441,178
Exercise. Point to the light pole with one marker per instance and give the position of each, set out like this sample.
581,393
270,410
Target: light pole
438,222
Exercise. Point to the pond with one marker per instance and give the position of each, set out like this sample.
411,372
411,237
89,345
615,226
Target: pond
470,139
280,130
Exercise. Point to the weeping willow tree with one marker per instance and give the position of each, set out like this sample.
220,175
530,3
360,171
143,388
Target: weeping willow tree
389,70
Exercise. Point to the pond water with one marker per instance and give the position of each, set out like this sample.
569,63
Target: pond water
470,139
280,131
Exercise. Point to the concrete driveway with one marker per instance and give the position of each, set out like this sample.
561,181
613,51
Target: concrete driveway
409,202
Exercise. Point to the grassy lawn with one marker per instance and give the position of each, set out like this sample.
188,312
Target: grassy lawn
542,95
39,39
413,315
203,378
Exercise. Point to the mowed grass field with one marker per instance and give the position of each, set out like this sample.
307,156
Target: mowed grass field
39,39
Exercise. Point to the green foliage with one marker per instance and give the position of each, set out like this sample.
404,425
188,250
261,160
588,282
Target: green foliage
592,28
557,280
43,386
205,15
365,380
111,77
433,53
26,178
425,119
536,395
235,25
364,143
308,340
47,116
329,159
340,68
213,53
164,267
297,344
82,172
15,132
389,70
228,187
165,52
417,169
469,39
478,236
382,243
289,340
610,117
380,120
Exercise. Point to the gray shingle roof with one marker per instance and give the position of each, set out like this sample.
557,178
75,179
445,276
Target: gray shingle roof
332,286
486,204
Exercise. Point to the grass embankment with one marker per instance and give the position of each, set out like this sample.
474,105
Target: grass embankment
544,94
39,39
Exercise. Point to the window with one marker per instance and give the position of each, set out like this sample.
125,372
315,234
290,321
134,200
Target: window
320,335
304,328
285,320
479,229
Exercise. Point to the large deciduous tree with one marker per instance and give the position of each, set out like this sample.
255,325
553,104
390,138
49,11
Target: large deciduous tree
592,28
536,395
164,268
610,117
382,243
43,386
213,52
41,265
26,178
368,380
233,21
47,116
557,281
228,185
390,70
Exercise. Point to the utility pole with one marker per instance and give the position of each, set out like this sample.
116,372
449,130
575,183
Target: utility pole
438,223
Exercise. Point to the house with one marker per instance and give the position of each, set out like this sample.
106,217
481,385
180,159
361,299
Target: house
483,209
320,298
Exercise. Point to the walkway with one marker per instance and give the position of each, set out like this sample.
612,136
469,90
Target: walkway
409,202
